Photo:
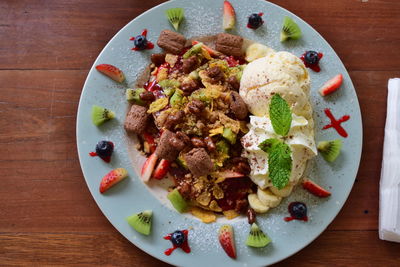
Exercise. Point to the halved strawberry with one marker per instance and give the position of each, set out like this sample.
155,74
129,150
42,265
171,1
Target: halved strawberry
161,169
229,19
112,178
112,72
148,167
315,189
332,85
227,241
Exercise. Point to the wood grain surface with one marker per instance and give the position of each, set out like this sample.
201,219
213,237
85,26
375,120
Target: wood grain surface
47,215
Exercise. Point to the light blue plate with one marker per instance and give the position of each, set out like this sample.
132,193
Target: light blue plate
131,195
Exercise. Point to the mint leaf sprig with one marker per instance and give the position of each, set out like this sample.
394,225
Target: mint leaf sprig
279,153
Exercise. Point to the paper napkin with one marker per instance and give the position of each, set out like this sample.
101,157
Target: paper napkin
389,195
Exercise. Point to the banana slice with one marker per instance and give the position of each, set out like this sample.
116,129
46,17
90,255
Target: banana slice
268,198
284,192
257,50
256,204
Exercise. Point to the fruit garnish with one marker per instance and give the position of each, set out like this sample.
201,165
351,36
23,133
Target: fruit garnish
194,50
179,239
140,41
161,169
177,200
268,198
175,16
298,211
332,85
290,30
112,72
330,150
315,189
227,241
112,178
255,21
101,115
257,238
148,167
141,222
229,16
104,150
211,52
311,57
134,95
256,204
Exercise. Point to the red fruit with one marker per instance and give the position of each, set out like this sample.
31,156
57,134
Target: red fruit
112,72
162,169
148,167
315,189
332,85
227,241
228,21
150,140
232,62
230,174
112,178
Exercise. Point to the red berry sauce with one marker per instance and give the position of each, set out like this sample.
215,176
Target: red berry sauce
336,124
106,159
150,45
315,67
293,216
185,246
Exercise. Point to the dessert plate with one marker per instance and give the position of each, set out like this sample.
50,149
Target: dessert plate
132,196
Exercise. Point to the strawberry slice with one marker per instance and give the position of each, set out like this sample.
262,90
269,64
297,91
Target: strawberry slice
315,189
161,169
150,141
227,241
112,72
332,85
112,178
229,19
148,167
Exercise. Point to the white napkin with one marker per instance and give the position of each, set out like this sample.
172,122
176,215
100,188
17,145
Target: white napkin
389,203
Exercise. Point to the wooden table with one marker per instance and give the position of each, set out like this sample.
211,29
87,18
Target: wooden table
47,215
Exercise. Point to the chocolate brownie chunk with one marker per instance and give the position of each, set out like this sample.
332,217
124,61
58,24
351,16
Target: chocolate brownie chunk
238,106
171,42
229,44
199,162
169,146
136,120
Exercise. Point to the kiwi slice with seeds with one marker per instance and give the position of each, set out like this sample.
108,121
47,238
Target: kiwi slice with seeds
290,30
175,16
101,115
330,150
177,200
141,222
257,238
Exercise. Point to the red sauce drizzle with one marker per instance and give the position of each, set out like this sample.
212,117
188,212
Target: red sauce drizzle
336,124
315,67
185,246
149,45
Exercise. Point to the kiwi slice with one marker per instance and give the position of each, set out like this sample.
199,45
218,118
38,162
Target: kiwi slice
134,95
177,200
194,50
257,238
141,222
330,150
175,16
101,115
290,30
229,135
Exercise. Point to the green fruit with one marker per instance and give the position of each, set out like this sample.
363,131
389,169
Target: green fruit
229,135
290,30
141,222
257,238
101,115
330,150
175,16
194,75
176,98
181,161
193,51
134,95
169,86
222,147
177,200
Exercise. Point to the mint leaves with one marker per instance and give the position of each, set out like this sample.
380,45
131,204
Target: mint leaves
280,115
279,161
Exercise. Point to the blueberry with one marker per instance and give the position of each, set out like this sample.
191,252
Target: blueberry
255,21
104,149
298,210
177,238
140,42
311,57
